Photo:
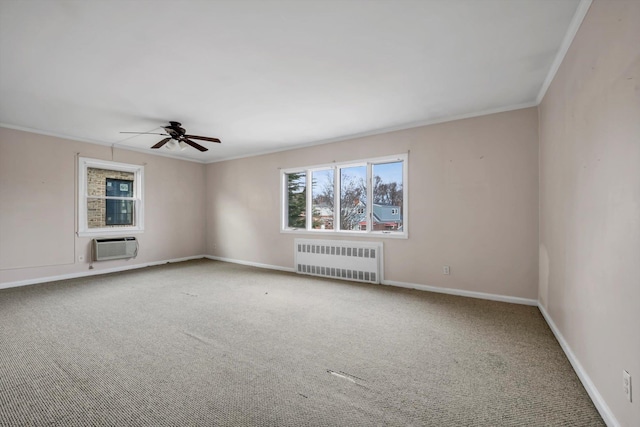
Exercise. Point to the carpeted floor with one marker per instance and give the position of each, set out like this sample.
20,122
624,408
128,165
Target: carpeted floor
212,343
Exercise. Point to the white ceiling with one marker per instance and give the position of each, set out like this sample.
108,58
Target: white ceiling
268,75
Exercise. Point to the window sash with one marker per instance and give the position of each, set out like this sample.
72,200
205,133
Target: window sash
111,198
320,173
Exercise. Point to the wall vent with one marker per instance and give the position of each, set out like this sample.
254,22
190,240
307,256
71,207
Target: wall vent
116,248
357,261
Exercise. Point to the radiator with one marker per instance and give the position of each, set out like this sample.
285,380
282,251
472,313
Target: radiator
358,261
116,248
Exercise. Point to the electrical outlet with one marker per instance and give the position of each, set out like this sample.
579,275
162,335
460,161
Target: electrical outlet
80,258
626,384
445,269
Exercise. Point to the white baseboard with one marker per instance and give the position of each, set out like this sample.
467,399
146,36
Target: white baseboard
94,272
481,295
594,394
252,264
462,293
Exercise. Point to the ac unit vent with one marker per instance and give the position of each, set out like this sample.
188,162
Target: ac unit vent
116,248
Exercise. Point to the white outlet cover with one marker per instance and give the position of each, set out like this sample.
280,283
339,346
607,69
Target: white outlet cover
626,384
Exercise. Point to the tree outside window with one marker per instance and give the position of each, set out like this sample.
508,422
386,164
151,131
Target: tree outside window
296,200
323,199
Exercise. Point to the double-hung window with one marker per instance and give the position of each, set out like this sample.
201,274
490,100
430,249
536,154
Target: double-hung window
109,198
365,197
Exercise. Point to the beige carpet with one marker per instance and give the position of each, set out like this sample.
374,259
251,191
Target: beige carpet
211,343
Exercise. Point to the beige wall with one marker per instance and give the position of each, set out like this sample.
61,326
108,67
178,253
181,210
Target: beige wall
38,207
473,203
590,201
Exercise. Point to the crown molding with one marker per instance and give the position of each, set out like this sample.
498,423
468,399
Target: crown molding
578,17
96,142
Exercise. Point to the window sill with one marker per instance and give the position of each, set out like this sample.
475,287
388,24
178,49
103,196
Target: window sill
327,233
107,232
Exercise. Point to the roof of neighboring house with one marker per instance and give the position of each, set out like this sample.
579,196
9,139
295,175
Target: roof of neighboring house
324,211
382,214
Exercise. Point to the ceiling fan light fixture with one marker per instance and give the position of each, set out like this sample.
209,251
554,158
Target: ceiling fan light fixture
177,138
172,145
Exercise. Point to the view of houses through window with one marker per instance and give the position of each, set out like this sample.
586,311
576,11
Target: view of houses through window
388,196
323,199
314,190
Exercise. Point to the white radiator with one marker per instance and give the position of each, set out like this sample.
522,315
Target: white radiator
358,261
117,248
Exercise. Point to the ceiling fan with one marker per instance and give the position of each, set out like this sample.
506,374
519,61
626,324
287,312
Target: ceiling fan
178,138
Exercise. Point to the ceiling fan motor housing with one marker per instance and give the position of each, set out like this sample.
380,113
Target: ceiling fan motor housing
175,130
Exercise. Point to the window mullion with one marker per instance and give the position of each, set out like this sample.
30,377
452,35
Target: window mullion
337,208
308,201
112,198
285,199
336,198
369,212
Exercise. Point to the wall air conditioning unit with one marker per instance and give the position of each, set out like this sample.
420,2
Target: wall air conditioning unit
114,248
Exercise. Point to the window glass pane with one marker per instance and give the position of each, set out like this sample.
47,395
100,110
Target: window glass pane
323,199
103,213
102,181
296,200
119,212
119,187
353,198
387,196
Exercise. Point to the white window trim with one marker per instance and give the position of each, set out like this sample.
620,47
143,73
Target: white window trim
85,163
404,234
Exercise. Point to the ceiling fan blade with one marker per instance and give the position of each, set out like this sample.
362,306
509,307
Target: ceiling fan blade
146,133
194,145
204,138
161,143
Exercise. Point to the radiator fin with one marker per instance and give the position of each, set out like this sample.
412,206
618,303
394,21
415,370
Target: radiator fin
358,261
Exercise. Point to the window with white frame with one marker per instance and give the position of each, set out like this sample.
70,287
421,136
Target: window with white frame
109,197
365,197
